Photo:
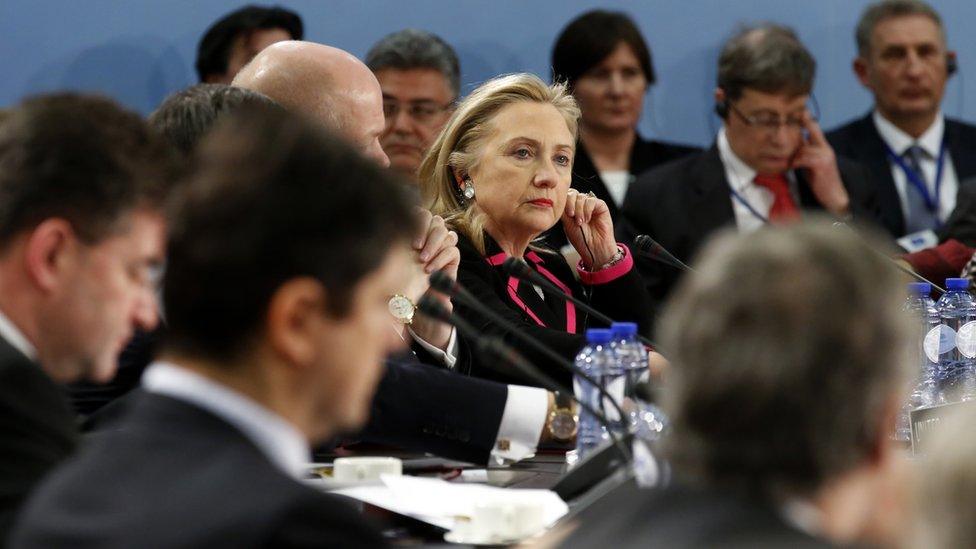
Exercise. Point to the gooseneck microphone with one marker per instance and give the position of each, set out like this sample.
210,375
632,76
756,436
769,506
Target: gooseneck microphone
495,347
443,283
649,248
893,262
519,269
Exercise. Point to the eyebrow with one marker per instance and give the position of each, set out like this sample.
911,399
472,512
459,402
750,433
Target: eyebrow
537,144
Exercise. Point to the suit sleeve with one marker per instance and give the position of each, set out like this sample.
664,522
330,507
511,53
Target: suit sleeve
423,408
863,192
323,520
37,432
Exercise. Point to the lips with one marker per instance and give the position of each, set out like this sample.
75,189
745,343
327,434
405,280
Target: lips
541,202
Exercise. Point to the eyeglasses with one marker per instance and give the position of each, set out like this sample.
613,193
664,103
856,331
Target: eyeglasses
423,112
772,122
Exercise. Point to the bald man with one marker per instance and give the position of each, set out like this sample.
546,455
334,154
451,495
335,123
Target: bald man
416,406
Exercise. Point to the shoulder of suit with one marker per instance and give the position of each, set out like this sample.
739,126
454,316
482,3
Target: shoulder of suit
670,173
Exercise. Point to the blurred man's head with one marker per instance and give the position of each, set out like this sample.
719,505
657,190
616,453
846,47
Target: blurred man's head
420,78
236,38
285,251
325,85
82,186
903,60
765,76
789,350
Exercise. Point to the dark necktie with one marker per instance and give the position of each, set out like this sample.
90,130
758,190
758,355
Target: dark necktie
918,217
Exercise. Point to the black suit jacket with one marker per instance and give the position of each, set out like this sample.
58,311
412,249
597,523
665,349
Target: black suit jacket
679,517
37,430
174,475
860,141
644,155
623,299
683,202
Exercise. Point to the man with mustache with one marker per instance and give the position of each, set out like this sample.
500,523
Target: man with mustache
420,78
917,156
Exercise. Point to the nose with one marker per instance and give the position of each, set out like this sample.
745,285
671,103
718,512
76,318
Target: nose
375,152
401,122
616,83
146,313
545,176
914,66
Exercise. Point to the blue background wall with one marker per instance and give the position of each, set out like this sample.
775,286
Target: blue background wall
138,51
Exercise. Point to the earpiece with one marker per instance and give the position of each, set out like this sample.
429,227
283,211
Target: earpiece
952,65
722,108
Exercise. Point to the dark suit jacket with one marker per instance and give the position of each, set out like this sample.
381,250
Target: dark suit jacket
679,517
644,155
683,202
623,299
37,430
860,141
174,475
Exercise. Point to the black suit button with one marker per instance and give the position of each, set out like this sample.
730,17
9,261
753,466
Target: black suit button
464,436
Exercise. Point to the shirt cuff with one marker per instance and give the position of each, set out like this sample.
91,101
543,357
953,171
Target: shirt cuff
448,358
522,422
610,273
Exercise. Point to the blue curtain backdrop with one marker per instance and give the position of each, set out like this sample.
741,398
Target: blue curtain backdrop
138,51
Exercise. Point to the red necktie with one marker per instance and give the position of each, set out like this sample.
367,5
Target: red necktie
784,208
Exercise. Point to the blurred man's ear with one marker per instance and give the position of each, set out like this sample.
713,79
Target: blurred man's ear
293,324
47,252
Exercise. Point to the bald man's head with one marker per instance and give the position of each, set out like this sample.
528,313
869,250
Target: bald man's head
325,84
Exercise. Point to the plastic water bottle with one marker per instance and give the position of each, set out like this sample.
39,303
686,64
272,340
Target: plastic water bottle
953,343
599,362
646,420
923,311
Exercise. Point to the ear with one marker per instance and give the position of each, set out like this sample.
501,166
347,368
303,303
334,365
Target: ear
459,177
860,66
48,250
294,321
719,96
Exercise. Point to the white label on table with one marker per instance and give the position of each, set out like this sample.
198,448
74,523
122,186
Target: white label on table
939,340
966,339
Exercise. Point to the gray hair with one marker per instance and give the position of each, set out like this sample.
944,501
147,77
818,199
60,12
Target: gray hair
416,49
888,9
765,57
787,345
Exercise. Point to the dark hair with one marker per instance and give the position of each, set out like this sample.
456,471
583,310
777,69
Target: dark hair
767,57
214,50
273,198
787,344
889,9
416,49
590,38
187,115
82,158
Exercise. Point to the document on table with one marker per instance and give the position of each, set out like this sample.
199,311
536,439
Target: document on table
440,503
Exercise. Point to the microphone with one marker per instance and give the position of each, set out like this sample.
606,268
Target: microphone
894,263
493,346
519,269
442,282
649,248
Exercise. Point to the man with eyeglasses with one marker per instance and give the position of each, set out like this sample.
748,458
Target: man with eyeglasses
770,161
420,77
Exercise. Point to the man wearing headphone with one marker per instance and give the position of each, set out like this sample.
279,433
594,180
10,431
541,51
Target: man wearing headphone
917,156
769,164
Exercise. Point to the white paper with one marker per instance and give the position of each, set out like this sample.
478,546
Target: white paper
440,503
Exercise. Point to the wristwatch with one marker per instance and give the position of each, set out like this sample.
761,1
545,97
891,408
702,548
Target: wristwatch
402,308
563,421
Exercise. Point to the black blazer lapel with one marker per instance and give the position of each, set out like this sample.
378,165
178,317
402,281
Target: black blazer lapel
961,148
587,179
875,158
711,202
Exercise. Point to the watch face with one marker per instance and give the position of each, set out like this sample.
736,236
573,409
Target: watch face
401,308
563,425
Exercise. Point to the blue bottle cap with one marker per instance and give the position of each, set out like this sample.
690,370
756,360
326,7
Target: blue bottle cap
919,288
620,329
598,335
957,283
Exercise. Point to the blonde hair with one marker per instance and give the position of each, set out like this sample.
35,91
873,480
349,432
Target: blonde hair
457,148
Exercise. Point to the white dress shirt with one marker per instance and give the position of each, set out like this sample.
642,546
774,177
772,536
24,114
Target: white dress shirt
740,178
283,444
617,182
930,141
16,338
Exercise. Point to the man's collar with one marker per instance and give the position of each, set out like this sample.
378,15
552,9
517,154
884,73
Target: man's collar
743,173
16,338
899,141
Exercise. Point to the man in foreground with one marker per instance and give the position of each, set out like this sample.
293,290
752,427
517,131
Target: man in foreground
262,358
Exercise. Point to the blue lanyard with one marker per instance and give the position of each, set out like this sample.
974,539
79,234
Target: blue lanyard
931,203
748,206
